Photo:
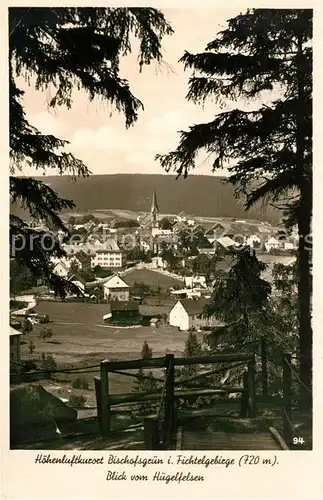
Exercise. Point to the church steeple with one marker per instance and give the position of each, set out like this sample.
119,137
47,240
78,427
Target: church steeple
154,205
154,210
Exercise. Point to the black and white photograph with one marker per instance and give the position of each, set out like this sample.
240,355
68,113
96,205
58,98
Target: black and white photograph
160,181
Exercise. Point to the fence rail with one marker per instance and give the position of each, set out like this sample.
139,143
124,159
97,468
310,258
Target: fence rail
289,376
160,428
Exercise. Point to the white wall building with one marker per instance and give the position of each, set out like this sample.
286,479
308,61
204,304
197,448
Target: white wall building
79,282
107,259
63,265
61,269
272,244
115,288
156,263
195,281
188,313
106,255
155,231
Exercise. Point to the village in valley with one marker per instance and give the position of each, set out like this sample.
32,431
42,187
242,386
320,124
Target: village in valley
137,280
154,269
160,248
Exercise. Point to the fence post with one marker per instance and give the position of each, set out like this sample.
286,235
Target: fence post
105,405
97,385
287,398
151,434
169,413
252,388
244,397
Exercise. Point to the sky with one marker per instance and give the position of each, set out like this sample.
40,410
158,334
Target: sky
101,139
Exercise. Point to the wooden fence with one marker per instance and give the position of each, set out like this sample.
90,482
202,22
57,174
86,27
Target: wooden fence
160,428
290,375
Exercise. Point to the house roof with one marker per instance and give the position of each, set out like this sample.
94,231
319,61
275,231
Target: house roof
194,306
115,281
108,244
61,264
117,305
207,251
75,278
13,332
225,241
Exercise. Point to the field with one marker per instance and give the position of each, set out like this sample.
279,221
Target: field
151,278
79,334
80,339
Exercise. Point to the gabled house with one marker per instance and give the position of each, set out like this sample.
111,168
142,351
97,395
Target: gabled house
61,269
121,311
225,243
195,281
106,254
218,229
115,288
272,244
79,282
189,313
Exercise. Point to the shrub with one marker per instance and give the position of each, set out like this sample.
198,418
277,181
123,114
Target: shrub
80,383
146,351
31,346
44,319
142,384
45,334
48,363
27,327
29,365
77,400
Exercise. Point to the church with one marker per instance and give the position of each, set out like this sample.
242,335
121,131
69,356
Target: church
154,228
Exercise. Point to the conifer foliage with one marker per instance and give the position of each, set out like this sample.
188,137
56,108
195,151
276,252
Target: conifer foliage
59,50
267,146
145,382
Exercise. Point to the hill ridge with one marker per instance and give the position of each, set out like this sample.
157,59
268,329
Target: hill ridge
197,195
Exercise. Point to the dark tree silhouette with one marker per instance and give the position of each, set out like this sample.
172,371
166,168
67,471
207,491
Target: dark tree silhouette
62,49
241,291
268,148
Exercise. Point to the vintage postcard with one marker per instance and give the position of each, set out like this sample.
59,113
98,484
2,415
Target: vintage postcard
161,323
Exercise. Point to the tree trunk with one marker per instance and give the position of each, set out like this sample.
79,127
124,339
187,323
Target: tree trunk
304,174
264,371
304,298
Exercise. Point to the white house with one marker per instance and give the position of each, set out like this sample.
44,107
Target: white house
225,242
115,288
61,269
272,244
156,263
188,313
145,245
187,293
156,231
63,265
289,245
15,337
253,241
79,282
195,281
106,255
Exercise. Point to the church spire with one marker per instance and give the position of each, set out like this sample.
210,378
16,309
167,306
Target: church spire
154,205
154,212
